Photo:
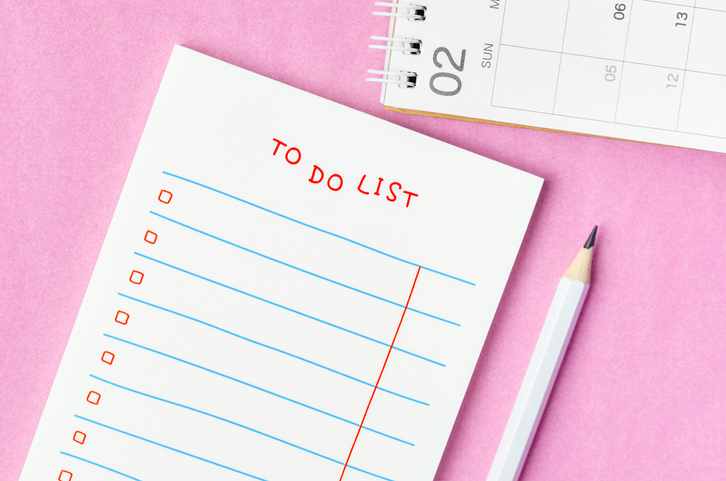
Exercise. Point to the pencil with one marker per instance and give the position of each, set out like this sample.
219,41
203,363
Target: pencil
543,367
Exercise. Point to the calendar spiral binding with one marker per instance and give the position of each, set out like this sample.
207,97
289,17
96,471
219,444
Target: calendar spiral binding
407,46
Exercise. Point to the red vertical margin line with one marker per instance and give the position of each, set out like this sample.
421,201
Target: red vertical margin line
390,348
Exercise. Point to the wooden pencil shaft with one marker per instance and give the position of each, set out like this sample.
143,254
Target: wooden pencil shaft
543,367
538,380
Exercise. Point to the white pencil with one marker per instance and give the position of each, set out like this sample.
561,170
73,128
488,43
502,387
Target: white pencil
543,367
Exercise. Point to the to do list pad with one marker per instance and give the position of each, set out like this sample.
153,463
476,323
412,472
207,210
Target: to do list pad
289,290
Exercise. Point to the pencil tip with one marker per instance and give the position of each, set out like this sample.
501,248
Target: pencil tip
590,240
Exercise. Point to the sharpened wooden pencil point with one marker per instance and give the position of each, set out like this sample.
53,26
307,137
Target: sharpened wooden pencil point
590,240
579,270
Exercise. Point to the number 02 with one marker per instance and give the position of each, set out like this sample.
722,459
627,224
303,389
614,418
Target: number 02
454,77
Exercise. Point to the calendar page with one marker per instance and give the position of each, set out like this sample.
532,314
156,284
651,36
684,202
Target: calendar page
644,70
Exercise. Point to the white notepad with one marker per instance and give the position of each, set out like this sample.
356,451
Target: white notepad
267,249
645,70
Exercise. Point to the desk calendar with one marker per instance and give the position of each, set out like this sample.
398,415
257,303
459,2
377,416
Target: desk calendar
645,70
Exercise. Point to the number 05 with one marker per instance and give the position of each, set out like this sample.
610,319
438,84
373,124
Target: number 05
610,72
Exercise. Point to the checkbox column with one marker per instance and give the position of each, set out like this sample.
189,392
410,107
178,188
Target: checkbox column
136,277
79,437
93,398
122,317
150,237
165,196
107,357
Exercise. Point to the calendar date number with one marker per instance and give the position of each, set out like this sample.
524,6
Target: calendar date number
610,71
452,86
681,18
672,81
619,13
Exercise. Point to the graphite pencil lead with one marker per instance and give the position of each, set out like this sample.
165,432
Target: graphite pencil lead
590,240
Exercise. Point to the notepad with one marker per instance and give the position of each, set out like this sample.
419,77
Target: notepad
645,70
289,290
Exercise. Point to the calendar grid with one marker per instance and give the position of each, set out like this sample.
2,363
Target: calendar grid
562,50
625,50
499,50
699,134
627,62
559,71
687,6
685,72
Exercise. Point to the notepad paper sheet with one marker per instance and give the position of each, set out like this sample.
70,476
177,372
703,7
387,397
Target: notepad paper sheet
646,70
289,290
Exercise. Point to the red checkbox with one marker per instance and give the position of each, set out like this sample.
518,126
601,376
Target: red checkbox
79,437
93,397
136,277
107,357
65,476
150,237
165,196
122,317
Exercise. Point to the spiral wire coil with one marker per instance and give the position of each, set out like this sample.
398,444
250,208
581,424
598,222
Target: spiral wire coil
407,46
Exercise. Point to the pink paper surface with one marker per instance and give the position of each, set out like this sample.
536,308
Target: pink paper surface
641,393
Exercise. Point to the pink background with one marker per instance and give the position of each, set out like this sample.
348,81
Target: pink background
642,392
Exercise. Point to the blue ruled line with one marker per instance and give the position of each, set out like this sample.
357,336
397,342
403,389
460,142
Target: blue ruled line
99,465
318,320
273,349
360,291
169,448
415,264
253,387
234,424
289,309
